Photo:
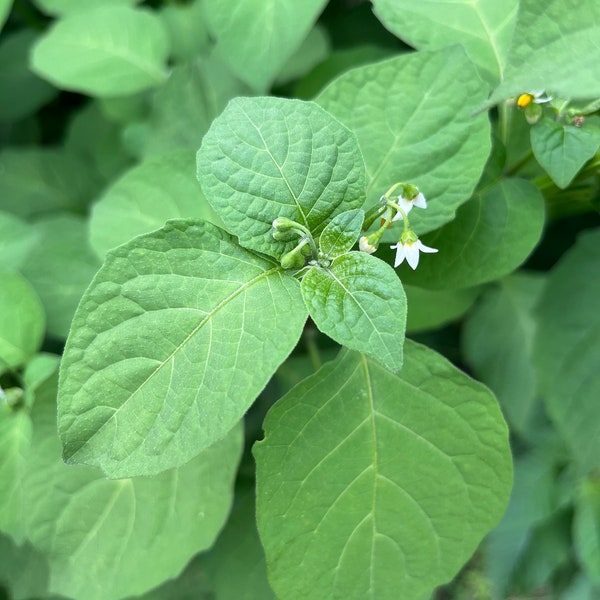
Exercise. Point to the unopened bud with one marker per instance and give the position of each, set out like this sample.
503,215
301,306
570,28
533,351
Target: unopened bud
533,112
365,246
293,259
284,224
284,236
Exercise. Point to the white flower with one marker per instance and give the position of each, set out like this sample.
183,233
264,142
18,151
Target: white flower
365,246
536,97
406,205
409,250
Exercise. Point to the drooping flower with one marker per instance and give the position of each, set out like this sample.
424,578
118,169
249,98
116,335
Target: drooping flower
408,248
410,196
538,97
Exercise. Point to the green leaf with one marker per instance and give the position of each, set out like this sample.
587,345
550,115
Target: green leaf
265,158
145,197
108,51
173,340
259,36
23,571
567,345
314,49
373,485
192,584
550,37
5,6
21,321
586,528
22,91
491,236
581,589
238,550
66,7
497,344
16,240
184,108
15,440
359,302
109,539
413,119
563,149
430,309
341,233
483,27
92,136
533,500
188,32
60,268
339,61
40,180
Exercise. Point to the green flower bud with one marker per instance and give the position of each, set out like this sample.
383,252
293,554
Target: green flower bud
533,112
293,259
284,224
284,236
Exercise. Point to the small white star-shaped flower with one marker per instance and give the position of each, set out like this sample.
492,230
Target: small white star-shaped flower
410,251
406,205
536,97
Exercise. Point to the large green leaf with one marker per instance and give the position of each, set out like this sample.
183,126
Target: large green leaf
567,347
238,550
187,28
533,500
22,321
550,38
184,108
359,302
111,539
257,37
430,309
491,236
413,116
173,340
23,570
563,149
22,91
107,51
16,240
265,158
145,197
372,485
15,439
60,268
586,528
498,341
39,180
65,7
483,27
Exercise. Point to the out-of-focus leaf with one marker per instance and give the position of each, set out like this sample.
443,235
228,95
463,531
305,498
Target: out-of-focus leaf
105,51
22,91
60,267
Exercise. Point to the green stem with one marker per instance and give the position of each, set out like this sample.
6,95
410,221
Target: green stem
505,113
404,215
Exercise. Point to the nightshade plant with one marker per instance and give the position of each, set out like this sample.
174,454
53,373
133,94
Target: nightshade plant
212,250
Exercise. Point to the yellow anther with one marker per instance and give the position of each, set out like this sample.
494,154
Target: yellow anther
525,100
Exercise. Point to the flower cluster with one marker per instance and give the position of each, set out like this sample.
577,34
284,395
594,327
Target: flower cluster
396,208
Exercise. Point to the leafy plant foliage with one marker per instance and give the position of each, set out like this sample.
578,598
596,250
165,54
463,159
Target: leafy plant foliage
220,224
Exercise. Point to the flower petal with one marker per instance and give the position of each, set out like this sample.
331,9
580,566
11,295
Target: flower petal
412,254
420,201
423,248
399,254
